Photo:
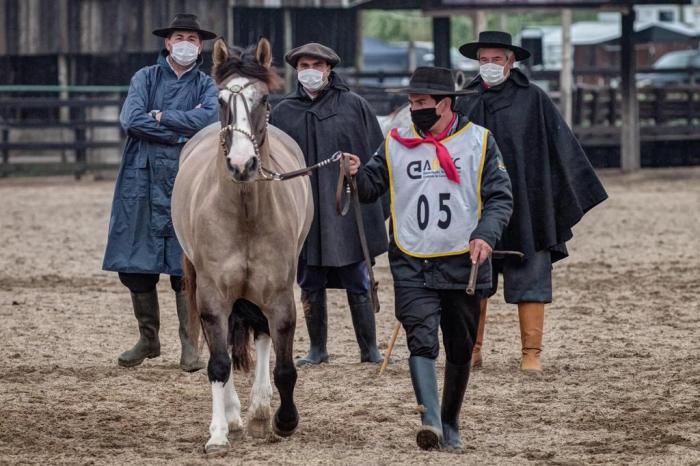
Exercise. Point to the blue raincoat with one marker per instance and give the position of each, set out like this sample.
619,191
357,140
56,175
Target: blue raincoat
141,236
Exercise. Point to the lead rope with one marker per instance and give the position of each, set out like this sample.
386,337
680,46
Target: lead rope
347,185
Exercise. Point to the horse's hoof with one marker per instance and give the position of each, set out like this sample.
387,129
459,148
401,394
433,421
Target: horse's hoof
259,428
428,438
235,430
215,450
284,429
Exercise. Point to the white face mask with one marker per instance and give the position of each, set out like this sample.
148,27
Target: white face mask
311,79
492,73
184,53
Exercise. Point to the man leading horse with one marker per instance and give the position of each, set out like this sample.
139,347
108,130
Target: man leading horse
450,200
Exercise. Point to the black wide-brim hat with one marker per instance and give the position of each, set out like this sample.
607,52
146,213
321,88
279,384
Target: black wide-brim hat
493,40
432,80
312,49
184,22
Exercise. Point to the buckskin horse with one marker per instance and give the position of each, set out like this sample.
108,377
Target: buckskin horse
241,234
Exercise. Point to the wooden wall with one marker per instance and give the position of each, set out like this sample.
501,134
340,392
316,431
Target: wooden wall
40,27
333,27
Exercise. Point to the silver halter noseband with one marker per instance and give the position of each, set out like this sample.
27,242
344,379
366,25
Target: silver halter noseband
226,132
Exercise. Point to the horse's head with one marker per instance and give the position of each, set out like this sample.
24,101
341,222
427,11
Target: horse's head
245,79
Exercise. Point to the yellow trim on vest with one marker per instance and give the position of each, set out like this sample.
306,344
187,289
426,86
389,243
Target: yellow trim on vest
481,173
393,211
391,185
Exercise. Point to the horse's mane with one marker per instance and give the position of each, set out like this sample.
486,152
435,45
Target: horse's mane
243,61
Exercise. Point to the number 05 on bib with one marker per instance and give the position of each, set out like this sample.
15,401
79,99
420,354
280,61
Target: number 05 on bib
431,215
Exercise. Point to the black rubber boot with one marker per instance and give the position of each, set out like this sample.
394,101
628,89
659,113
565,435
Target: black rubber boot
424,380
365,329
316,317
455,384
189,356
148,316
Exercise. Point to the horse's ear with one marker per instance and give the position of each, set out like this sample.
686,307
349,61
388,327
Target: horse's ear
220,53
264,53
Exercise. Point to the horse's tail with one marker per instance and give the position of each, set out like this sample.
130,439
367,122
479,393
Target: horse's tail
241,324
190,282
246,319
240,342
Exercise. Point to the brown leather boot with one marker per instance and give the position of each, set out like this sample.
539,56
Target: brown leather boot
531,324
476,352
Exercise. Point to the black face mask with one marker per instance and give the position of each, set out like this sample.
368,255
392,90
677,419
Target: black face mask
424,118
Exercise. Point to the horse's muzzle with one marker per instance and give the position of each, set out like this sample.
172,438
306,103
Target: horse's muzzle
246,172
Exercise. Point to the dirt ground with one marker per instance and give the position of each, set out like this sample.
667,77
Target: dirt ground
622,351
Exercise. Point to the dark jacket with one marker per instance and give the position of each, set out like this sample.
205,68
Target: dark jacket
554,184
141,236
448,272
337,120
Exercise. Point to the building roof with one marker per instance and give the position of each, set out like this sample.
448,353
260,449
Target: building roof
298,3
599,32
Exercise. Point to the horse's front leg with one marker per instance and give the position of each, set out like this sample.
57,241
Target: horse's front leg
261,394
215,327
282,325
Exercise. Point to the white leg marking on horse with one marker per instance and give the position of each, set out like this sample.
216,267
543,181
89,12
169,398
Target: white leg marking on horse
218,429
261,394
232,406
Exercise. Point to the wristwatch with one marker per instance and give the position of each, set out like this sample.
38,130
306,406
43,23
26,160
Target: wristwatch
153,113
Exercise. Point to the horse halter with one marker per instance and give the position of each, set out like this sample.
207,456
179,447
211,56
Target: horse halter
226,132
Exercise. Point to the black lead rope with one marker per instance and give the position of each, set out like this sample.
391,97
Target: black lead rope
346,190
274,176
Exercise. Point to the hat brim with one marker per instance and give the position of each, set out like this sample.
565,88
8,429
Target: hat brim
425,90
470,50
205,35
293,59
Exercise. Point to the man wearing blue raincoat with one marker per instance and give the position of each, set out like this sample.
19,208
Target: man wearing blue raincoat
166,105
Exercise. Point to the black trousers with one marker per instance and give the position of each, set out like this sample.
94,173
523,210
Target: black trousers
422,310
145,282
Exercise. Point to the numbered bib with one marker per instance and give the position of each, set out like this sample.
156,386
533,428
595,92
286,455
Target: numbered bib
431,215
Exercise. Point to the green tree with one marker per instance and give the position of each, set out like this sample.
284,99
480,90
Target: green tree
406,25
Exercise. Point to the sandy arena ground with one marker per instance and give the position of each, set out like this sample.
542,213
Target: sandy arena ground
622,351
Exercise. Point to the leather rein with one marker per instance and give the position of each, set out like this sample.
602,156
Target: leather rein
346,189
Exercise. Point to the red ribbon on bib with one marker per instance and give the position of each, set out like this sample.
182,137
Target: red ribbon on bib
443,155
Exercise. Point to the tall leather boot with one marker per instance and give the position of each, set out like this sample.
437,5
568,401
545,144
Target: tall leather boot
424,380
365,327
189,356
148,316
454,386
316,317
531,325
477,358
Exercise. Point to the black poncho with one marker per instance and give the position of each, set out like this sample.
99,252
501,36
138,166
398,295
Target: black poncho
554,184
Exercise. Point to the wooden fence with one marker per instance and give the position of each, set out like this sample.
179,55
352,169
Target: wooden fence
665,114
51,129
54,130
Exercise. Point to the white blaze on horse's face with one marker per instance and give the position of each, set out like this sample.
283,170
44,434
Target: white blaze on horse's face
242,157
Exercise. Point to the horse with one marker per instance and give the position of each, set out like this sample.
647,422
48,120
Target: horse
241,235
400,117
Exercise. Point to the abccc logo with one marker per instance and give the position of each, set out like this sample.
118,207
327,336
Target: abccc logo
416,169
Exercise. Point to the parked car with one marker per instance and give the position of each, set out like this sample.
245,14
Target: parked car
688,60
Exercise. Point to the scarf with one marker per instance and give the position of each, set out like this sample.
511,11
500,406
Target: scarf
443,155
